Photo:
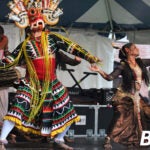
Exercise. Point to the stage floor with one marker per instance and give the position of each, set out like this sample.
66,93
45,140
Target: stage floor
82,143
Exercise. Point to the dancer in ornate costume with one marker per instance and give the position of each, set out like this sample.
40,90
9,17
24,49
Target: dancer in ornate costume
131,113
42,104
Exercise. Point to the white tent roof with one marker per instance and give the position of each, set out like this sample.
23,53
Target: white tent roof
122,17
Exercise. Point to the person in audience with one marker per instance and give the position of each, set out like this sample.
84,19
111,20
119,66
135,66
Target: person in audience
3,42
131,112
3,90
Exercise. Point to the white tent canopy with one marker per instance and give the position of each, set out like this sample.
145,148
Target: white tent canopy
120,17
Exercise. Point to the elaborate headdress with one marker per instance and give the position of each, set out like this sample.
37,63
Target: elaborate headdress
23,12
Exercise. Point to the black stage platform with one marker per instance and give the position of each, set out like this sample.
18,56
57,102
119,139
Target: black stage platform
80,143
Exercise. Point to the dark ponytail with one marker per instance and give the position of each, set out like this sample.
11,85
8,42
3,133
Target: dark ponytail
144,71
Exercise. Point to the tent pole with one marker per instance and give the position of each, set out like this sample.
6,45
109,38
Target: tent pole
108,10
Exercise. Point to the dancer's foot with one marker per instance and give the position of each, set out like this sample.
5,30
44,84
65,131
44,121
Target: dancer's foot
107,144
62,145
107,147
2,147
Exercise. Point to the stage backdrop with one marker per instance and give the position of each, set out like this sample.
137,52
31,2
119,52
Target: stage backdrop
91,41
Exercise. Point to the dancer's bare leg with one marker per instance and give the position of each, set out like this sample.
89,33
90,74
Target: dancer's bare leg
6,129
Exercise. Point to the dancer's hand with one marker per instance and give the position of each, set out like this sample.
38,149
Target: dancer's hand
78,59
97,69
94,68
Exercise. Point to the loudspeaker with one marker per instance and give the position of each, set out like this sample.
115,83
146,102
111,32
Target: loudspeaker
87,123
105,115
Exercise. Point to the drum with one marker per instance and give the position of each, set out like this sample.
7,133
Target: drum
8,77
